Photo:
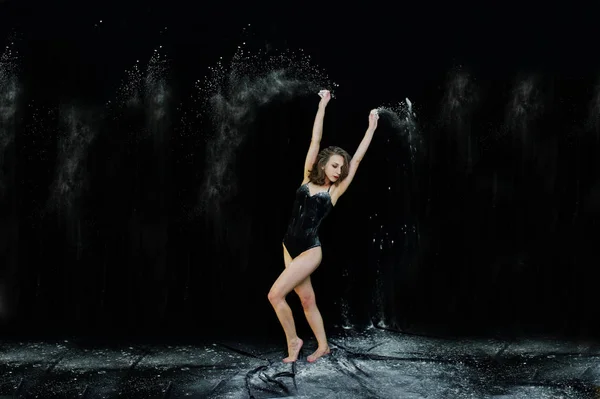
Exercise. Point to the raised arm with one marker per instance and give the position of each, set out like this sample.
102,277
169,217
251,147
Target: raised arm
317,132
358,156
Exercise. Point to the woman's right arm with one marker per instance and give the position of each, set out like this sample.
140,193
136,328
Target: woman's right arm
317,132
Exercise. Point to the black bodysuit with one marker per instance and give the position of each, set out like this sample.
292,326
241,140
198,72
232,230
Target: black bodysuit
307,214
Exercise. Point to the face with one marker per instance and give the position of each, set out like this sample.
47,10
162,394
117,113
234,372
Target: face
333,169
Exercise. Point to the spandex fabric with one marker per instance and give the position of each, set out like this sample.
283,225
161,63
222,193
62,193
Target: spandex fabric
307,214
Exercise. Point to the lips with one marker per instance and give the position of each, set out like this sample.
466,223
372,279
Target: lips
336,177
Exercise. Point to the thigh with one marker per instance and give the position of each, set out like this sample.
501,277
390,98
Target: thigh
297,271
287,258
303,289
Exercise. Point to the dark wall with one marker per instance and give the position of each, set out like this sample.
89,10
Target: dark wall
492,217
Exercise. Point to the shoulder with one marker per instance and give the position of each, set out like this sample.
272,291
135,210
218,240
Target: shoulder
335,188
334,193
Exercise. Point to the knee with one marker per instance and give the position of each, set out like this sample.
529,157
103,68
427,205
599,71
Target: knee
274,297
308,301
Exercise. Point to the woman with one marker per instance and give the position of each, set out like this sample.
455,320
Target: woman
327,175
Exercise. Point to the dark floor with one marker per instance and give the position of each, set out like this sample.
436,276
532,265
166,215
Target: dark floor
371,364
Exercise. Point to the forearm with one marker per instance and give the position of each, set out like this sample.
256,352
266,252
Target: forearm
363,146
318,125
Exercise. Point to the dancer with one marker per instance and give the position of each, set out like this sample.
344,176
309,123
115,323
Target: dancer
327,175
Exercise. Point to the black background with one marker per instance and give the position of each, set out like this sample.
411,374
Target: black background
520,261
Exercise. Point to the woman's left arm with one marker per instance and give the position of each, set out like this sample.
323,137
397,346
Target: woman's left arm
358,155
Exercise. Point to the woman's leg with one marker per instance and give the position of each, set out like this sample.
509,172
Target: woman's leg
307,297
296,272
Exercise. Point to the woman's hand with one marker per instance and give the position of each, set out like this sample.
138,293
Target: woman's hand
325,97
373,117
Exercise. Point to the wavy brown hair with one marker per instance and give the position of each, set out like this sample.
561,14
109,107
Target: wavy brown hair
317,174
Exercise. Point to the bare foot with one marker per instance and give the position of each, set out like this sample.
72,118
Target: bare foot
317,354
293,350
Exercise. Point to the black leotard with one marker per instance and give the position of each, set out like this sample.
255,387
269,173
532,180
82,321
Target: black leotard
307,214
